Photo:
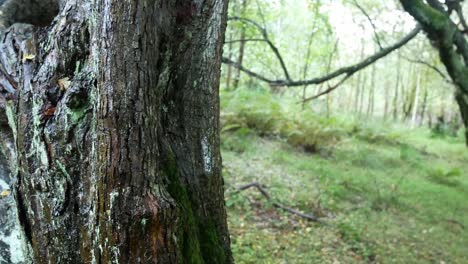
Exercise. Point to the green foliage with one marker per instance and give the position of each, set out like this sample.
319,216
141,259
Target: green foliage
238,141
445,177
251,109
247,111
379,200
262,112
355,241
443,129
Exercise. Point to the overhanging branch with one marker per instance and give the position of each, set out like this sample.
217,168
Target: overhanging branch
430,66
363,11
348,71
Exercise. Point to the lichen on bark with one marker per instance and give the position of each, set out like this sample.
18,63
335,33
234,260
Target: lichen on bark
117,133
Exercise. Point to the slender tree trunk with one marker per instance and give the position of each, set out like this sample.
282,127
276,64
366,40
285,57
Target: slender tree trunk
229,67
360,80
424,105
306,68
409,95
357,84
371,98
397,87
362,93
386,99
416,100
240,58
115,121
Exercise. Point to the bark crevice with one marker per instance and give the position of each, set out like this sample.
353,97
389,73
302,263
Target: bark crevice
117,127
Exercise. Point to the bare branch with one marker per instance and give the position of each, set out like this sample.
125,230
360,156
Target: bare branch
348,71
249,72
364,12
264,33
327,91
265,194
430,66
244,40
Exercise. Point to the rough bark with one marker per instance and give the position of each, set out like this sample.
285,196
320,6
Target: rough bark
462,100
115,119
11,248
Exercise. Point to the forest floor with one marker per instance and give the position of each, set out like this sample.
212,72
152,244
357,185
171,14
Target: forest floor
380,201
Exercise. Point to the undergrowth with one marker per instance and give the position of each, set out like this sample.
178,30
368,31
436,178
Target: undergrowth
387,194
269,115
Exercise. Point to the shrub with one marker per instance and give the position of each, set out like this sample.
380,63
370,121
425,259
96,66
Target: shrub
263,113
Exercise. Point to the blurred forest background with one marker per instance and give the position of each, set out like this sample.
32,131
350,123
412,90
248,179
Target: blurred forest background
369,168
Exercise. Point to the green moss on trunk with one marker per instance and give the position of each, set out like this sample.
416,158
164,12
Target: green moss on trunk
200,239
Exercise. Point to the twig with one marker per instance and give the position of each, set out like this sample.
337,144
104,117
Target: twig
266,37
432,67
376,35
327,91
276,204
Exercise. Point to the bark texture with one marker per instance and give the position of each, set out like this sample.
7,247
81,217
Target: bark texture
114,113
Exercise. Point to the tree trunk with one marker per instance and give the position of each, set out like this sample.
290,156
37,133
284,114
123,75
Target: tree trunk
397,87
462,101
240,58
371,98
414,113
424,105
11,251
386,99
449,40
115,119
229,66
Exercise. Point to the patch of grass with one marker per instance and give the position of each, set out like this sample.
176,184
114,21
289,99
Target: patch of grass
445,177
384,203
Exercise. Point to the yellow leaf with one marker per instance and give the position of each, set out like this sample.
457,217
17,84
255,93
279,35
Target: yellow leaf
64,83
5,193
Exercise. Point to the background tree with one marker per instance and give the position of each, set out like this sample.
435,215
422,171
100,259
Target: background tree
113,110
365,92
449,39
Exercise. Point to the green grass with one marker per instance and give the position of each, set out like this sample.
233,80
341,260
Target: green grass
403,199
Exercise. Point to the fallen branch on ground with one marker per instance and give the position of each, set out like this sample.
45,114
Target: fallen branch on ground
276,204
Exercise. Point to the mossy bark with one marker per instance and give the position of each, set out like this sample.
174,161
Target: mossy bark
117,132
462,101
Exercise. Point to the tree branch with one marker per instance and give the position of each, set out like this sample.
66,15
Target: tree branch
348,71
327,91
363,11
288,209
266,38
250,73
244,40
430,66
